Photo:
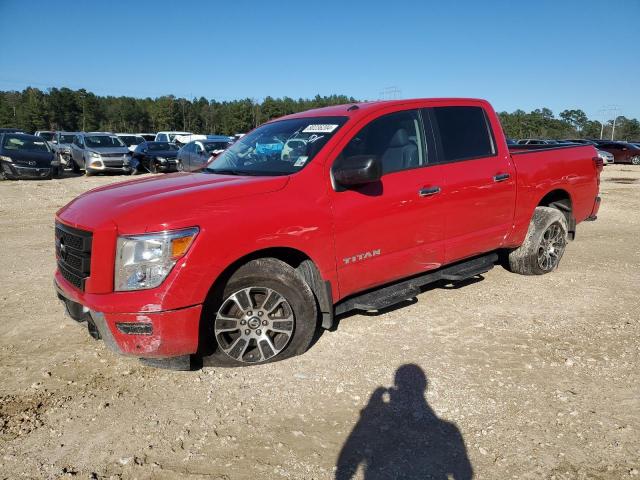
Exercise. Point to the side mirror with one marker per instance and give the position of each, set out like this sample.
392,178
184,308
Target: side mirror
357,170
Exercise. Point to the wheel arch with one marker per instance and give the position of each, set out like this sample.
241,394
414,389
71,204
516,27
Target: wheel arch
304,265
560,199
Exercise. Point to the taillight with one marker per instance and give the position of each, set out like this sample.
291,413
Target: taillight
599,163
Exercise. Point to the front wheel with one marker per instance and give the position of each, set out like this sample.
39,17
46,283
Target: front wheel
635,160
267,313
153,167
544,245
179,166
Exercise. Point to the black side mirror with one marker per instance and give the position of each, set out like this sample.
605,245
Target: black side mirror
357,170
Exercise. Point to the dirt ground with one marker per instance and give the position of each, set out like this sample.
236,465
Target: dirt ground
525,377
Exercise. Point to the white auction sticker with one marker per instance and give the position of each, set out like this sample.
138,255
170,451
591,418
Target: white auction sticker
302,159
320,128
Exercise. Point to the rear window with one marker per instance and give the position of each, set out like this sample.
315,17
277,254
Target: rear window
464,133
28,144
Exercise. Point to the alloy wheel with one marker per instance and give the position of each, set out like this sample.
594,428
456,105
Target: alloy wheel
254,324
551,248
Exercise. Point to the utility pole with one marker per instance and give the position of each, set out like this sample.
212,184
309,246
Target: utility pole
390,93
606,112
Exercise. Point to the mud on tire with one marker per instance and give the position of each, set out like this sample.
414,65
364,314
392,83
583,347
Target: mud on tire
238,324
544,244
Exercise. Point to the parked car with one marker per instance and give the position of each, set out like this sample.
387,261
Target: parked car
246,259
155,157
622,152
97,152
607,158
582,141
196,155
148,137
169,136
61,146
536,141
130,140
48,135
26,156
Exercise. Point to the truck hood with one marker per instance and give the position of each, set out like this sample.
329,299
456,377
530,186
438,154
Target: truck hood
157,203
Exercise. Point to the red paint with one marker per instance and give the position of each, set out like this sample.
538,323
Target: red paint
238,216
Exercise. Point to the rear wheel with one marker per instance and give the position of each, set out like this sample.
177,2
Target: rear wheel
636,160
544,245
267,313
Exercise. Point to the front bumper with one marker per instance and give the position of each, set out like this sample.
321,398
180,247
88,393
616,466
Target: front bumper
146,335
11,170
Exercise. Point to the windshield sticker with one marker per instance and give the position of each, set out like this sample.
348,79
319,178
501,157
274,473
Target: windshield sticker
320,128
302,159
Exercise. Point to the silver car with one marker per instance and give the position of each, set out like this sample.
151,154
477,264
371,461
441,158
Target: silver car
196,155
98,152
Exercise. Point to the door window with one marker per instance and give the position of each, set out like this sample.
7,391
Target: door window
396,139
464,133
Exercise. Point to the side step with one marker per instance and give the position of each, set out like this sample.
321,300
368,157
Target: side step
408,289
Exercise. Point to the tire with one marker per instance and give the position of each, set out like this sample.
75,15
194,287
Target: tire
282,309
153,167
179,166
635,160
74,166
544,245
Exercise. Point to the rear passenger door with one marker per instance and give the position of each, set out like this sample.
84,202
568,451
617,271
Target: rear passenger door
393,228
479,181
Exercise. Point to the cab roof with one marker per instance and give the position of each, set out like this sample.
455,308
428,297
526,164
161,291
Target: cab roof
359,109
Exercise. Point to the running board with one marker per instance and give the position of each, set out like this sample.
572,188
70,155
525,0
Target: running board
408,289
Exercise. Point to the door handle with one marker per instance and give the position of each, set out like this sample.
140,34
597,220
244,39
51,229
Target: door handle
428,191
501,177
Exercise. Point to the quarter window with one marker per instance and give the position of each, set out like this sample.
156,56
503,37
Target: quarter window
396,139
464,133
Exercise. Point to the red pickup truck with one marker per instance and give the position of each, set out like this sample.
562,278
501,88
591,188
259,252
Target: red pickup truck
351,207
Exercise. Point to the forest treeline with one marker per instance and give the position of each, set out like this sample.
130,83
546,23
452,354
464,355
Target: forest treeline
76,110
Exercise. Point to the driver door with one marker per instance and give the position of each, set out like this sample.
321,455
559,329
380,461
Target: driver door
394,228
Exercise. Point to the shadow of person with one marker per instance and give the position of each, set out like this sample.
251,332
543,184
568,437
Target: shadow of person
400,436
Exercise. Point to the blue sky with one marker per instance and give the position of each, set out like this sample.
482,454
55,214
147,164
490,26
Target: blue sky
558,54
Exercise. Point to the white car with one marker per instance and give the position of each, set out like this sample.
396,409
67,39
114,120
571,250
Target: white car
131,140
607,158
169,137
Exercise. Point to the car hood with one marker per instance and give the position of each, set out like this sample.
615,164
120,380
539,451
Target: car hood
157,203
163,153
122,150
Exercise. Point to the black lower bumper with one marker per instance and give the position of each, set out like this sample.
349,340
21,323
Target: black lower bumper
13,171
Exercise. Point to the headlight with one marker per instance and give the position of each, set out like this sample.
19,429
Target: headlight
144,261
6,159
94,155
161,159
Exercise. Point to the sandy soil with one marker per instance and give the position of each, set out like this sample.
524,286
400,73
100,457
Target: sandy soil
526,377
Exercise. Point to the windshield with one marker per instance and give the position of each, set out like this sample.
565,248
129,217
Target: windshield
29,144
162,147
278,148
46,135
129,140
103,141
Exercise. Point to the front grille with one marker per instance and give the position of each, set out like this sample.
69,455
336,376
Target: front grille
113,163
73,252
112,155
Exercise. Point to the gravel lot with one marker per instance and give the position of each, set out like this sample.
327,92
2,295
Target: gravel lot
527,377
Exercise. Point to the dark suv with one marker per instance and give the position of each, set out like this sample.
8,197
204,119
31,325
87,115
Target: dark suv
99,152
622,152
